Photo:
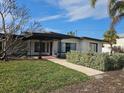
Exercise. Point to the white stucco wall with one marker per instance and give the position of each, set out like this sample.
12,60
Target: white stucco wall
120,42
55,47
106,48
81,45
76,41
85,45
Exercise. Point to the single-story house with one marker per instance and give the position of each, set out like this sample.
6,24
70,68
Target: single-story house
57,44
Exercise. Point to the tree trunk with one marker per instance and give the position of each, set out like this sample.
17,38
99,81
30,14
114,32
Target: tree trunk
4,57
111,49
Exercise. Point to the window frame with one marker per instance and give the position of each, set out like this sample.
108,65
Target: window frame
95,47
70,47
36,46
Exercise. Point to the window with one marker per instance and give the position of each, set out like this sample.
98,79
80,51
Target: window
93,47
70,46
47,46
73,46
39,47
42,47
0,46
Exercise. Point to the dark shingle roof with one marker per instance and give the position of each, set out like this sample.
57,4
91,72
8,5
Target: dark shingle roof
49,36
93,39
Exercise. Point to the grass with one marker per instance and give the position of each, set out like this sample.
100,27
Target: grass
36,76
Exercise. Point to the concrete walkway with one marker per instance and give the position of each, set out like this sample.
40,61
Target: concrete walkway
85,70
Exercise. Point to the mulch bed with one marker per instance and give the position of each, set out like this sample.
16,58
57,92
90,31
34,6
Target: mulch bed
110,82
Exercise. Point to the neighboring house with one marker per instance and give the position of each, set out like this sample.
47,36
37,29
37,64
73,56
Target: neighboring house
56,44
120,43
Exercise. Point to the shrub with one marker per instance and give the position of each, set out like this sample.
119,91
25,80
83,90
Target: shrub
73,57
104,62
117,60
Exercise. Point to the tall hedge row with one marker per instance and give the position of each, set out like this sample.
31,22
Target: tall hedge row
104,62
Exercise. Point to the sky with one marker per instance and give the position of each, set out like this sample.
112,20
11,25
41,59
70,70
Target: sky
72,15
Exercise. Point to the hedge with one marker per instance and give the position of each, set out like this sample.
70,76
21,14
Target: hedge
103,62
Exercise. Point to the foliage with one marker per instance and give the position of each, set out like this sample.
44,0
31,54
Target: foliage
111,37
115,8
72,33
74,57
14,21
93,2
36,76
104,62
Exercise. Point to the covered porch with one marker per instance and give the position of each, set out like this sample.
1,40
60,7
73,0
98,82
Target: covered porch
43,47
46,44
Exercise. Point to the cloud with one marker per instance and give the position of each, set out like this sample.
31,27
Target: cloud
48,18
81,9
75,10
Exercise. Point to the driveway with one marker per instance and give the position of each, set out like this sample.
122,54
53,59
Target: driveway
110,82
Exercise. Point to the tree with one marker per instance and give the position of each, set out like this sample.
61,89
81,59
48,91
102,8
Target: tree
14,21
111,37
116,10
72,33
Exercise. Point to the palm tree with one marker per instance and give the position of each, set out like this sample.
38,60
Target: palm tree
116,10
111,37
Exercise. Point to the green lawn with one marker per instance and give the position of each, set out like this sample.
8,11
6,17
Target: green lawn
36,76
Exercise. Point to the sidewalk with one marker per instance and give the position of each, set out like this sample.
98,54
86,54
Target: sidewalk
85,70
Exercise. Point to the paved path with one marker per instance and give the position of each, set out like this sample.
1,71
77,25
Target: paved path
85,70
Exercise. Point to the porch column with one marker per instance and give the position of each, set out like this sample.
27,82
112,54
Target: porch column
40,52
30,47
59,48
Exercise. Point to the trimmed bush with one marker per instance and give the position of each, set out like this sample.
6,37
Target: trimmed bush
104,62
73,57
